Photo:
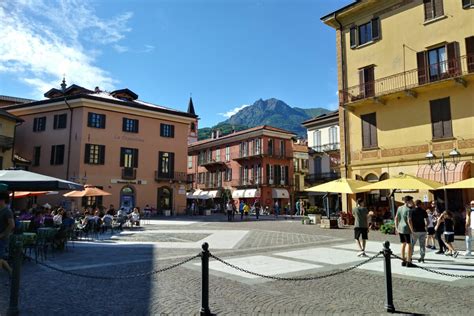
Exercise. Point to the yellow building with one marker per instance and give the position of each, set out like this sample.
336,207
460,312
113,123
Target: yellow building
8,123
405,79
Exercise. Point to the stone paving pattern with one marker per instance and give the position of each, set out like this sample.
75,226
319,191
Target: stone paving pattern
178,292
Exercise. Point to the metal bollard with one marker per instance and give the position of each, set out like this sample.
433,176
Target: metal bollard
205,310
15,280
387,253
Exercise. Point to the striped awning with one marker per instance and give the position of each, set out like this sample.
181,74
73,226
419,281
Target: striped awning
454,173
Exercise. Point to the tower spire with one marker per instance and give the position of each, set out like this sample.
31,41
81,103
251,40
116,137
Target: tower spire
191,106
63,83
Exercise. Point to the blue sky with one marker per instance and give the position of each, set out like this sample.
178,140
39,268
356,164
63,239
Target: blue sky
227,53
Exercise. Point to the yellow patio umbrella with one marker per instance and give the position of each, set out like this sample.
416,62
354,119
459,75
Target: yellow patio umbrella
89,190
464,184
342,185
404,182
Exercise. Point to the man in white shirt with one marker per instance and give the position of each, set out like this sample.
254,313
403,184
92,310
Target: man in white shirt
469,228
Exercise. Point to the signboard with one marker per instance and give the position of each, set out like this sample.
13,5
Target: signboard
121,181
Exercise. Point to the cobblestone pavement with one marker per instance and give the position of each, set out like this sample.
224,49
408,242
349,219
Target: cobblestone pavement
177,292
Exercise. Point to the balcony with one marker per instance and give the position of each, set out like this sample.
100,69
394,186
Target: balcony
248,155
6,142
129,173
212,163
211,185
409,81
172,176
326,147
257,182
321,177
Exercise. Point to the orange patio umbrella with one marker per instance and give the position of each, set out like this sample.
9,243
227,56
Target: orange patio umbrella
89,190
22,194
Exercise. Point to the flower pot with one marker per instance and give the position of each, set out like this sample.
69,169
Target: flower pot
167,212
207,212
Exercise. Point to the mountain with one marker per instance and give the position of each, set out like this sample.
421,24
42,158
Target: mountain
271,112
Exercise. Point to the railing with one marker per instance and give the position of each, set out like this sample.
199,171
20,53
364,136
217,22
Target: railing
211,162
256,182
129,173
320,177
261,153
6,142
327,147
410,79
172,176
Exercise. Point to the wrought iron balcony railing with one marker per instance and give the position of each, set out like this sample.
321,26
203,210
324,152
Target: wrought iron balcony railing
327,147
172,176
321,177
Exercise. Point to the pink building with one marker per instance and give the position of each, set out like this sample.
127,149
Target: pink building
130,148
252,164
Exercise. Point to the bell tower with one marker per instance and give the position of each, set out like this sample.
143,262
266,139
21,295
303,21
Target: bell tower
193,127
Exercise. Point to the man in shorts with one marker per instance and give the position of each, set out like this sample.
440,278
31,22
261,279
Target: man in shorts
404,227
361,226
6,228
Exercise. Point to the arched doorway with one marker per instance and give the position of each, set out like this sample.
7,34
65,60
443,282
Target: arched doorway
373,196
127,198
165,199
384,194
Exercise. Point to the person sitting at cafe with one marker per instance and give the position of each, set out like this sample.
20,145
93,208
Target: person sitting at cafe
67,220
36,222
107,221
58,218
135,217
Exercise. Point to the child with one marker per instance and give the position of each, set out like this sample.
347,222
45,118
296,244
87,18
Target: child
430,239
447,218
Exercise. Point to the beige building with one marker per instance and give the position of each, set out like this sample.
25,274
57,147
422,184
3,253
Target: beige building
405,77
133,149
8,126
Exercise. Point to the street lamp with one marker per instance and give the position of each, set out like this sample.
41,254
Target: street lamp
443,166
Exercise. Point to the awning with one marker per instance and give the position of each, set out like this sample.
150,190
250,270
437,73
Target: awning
238,194
197,194
251,193
280,194
214,194
454,173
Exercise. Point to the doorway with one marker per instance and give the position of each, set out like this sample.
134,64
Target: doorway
165,199
127,198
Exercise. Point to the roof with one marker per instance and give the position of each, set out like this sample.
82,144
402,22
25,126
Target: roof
322,117
245,131
76,92
349,6
14,99
12,117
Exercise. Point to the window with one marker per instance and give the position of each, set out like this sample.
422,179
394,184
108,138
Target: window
193,127
441,118
366,80
365,33
466,4
270,174
438,63
258,146
60,121
369,131
244,149
128,157
317,140
39,124
228,174
36,155
95,120
282,148
227,153
57,155
94,154
433,9
208,155
129,125
190,162
218,154
333,139
165,165
166,130
270,147
470,53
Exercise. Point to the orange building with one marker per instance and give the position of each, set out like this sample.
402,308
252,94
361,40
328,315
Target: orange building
130,148
256,163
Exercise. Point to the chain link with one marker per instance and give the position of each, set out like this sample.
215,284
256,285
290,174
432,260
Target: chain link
438,272
297,278
120,277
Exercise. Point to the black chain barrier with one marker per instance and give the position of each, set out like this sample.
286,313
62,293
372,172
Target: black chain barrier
437,272
300,278
120,277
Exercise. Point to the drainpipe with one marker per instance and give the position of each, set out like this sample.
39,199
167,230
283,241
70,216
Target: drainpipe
69,140
344,117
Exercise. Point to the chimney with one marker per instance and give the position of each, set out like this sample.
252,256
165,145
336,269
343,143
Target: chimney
218,133
213,134
97,90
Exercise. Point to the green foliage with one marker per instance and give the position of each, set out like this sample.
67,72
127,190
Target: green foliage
388,228
205,133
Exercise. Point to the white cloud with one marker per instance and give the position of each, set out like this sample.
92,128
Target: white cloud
119,48
42,40
148,48
234,111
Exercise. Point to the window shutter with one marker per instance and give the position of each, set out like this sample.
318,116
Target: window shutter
171,164
361,83
353,37
55,124
422,68
287,175
124,124
160,163
89,119
466,3
101,155
122,157
87,153
373,130
102,125
445,111
60,154
369,81
438,8
454,61
171,130
470,53
428,5
135,158
267,170
277,172
366,131
375,28
136,126
53,153
436,122
161,129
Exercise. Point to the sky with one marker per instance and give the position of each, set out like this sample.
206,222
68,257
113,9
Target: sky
225,53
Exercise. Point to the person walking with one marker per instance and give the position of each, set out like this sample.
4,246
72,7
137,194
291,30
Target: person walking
241,210
297,206
246,210
440,230
419,219
361,226
430,239
302,208
7,224
469,228
256,205
276,209
229,209
404,227
446,219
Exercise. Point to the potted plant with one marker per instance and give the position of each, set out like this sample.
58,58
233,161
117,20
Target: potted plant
388,228
315,213
305,220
